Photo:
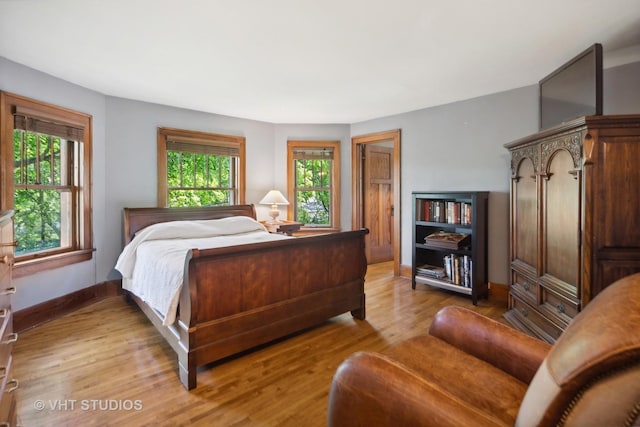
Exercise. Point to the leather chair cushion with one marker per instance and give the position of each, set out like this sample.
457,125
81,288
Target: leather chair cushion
476,383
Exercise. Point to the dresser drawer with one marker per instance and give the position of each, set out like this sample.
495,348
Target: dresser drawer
6,252
6,291
526,287
557,307
528,316
6,288
8,406
5,274
7,338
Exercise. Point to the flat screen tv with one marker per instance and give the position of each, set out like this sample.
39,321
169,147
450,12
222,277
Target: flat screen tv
573,90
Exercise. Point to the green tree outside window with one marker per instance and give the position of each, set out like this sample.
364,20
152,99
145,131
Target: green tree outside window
196,179
313,192
42,192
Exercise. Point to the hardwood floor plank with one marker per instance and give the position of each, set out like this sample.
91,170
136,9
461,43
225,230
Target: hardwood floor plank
106,365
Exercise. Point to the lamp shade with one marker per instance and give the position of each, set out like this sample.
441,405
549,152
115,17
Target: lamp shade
274,197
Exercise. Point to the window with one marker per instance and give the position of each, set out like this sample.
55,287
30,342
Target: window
46,169
314,183
199,168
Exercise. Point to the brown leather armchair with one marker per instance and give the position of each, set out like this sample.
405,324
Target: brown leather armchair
473,371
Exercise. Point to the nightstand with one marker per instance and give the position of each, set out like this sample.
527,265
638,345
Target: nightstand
282,226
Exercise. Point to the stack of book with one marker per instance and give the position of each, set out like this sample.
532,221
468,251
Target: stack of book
446,240
433,271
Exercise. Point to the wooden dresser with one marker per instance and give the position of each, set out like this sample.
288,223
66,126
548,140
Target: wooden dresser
8,384
574,220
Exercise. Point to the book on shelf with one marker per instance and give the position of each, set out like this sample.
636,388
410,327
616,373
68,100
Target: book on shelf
453,212
447,211
459,270
434,211
446,240
426,211
431,271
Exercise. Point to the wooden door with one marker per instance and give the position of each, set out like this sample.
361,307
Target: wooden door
525,218
561,222
615,210
378,202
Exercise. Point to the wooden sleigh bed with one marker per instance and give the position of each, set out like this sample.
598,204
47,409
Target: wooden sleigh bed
237,297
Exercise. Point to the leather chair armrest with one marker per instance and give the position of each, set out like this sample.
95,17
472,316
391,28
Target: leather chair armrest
370,389
506,348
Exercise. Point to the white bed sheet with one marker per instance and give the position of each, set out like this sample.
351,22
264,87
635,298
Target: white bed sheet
152,264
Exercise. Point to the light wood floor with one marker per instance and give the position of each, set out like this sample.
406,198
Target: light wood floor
106,364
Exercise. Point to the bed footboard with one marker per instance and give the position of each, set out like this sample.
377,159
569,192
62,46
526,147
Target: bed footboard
243,296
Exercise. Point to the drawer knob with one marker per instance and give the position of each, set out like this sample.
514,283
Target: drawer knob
14,386
524,312
560,307
9,291
11,338
527,286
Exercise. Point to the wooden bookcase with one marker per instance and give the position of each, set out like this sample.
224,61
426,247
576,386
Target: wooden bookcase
462,213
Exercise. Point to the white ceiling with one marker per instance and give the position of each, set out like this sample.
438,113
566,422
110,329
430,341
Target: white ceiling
311,61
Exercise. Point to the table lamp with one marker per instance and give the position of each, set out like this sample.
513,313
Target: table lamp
274,198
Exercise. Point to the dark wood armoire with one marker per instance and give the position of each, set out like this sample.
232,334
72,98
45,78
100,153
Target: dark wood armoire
574,220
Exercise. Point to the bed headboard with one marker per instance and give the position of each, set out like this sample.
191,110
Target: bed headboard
136,219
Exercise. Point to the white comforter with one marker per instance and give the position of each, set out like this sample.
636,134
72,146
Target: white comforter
152,264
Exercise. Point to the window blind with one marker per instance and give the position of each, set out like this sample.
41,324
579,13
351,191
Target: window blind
313,154
36,125
217,150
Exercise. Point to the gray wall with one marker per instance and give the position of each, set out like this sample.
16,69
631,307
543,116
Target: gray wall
621,89
457,146
43,286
